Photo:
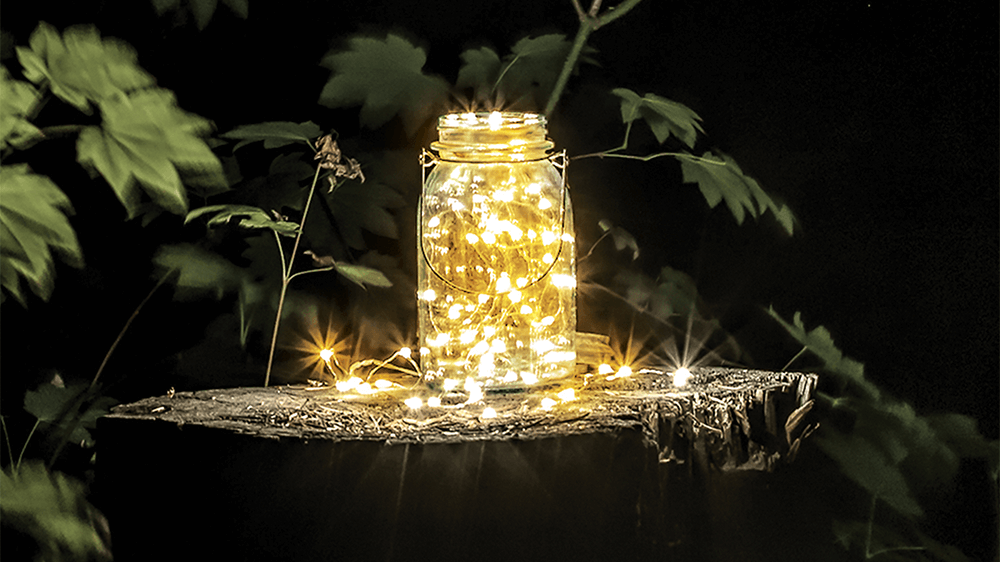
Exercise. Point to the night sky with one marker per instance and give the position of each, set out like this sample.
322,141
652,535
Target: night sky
876,122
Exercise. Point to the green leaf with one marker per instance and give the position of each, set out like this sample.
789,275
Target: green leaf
275,134
386,78
622,238
861,461
52,508
146,138
199,270
33,222
80,67
721,179
363,275
203,10
665,117
253,218
673,293
358,206
819,342
480,68
69,408
534,66
17,100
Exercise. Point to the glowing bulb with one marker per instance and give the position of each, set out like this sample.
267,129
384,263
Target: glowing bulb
326,355
625,371
681,376
471,238
547,258
548,237
435,221
495,120
544,204
483,299
383,384
548,320
605,369
489,413
414,402
567,395
564,281
365,388
405,352
514,295
547,403
525,309
488,237
434,402
429,295
349,384
450,384
503,283
528,378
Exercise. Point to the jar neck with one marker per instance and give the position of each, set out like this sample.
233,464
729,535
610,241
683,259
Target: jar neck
492,137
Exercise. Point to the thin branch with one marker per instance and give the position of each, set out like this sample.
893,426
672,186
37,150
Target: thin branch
579,10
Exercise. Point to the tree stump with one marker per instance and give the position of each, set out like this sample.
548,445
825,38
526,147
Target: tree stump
632,469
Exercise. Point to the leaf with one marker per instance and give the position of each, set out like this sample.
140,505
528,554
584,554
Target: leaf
665,117
622,238
199,270
17,100
386,78
820,343
534,66
80,67
52,508
275,134
33,222
358,207
146,138
672,294
867,465
363,275
253,218
203,10
480,68
69,408
720,178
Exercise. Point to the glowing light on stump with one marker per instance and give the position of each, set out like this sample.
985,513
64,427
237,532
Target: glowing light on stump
496,274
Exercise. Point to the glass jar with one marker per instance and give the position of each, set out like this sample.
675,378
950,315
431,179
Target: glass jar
496,286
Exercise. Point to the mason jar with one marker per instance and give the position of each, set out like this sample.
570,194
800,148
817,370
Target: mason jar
496,270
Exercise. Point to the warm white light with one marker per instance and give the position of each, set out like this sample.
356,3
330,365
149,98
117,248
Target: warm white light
405,352
495,120
514,295
547,403
434,222
489,413
605,369
503,283
414,402
567,395
365,388
528,378
434,402
471,238
383,384
326,355
429,295
349,384
450,384
681,376
625,371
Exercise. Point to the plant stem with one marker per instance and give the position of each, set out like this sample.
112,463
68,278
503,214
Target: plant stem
797,355
588,24
286,274
128,323
17,466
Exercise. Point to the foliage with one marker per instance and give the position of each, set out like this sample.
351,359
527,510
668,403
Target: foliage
143,138
665,117
386,78
52,508
889,450
68,412
202,10
33,222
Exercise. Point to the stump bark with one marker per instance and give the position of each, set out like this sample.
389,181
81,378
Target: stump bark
633,469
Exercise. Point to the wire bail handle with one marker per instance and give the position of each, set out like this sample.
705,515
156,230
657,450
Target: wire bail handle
429,160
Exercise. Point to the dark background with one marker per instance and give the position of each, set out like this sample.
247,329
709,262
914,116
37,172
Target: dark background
876,122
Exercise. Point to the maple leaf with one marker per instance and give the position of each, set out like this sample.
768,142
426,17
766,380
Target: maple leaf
386,78
721,179
253,218
480,69
33,223
203,10
665,117
146,138
534,65
274,134
80,66
17,100
356,207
